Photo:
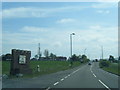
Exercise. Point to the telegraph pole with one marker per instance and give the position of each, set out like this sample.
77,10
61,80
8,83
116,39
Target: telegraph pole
102,51
39,54
85,51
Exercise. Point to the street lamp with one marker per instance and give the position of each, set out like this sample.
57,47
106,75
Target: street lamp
71,47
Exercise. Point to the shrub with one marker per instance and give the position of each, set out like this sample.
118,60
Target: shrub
104,63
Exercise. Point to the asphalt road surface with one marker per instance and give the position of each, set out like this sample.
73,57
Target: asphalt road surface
85,76
88,76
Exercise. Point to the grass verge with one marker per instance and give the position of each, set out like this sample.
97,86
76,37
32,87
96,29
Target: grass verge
46,67
112,68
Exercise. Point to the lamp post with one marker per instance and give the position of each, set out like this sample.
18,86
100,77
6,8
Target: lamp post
71,48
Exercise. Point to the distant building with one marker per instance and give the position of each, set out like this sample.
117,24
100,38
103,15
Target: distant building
61,58
44,59
58,58
7,57
33,59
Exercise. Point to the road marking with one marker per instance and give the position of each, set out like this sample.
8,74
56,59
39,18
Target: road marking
75,71
56,83
48,88
66,76
62,79
104,85
92,71
94,75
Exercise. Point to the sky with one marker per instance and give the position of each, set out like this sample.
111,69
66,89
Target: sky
95,24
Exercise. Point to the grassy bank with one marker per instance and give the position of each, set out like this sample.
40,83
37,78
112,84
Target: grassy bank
112,68
46,67
0,67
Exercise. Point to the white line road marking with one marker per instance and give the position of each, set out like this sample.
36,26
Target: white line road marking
104,85
92,71
94,75
99,80
56,83
62,79
48,88
66,76
75,71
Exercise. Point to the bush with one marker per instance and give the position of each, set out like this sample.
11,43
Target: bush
104,63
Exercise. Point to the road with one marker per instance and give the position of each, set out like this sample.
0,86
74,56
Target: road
86,76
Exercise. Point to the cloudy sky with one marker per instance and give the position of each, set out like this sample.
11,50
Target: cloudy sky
26,24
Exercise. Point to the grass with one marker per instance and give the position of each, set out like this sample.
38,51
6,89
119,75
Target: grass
113,68
0,67
46,67
5,67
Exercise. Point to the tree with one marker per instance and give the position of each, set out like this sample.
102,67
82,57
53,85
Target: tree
84,58
104,63
46,53
36,57
111,58
53,56
7,57
75,57
79,56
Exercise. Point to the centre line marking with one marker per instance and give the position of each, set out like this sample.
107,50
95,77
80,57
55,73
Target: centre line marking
94,75
66,76
56,83
48,88
62,79
104,85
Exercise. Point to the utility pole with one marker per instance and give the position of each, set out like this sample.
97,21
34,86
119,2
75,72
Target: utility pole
39,54
102,51
85,51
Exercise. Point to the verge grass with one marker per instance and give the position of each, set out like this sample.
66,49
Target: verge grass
46,67
0,67
113,68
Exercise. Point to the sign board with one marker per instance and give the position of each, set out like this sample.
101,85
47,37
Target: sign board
20,62
22,59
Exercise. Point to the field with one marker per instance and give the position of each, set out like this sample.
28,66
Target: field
113,68
46,67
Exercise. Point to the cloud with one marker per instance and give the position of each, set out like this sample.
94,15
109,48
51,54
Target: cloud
103,11
33,29
95,27
37,12
22,12
108,0
57,44
57,40
105,5
66,20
